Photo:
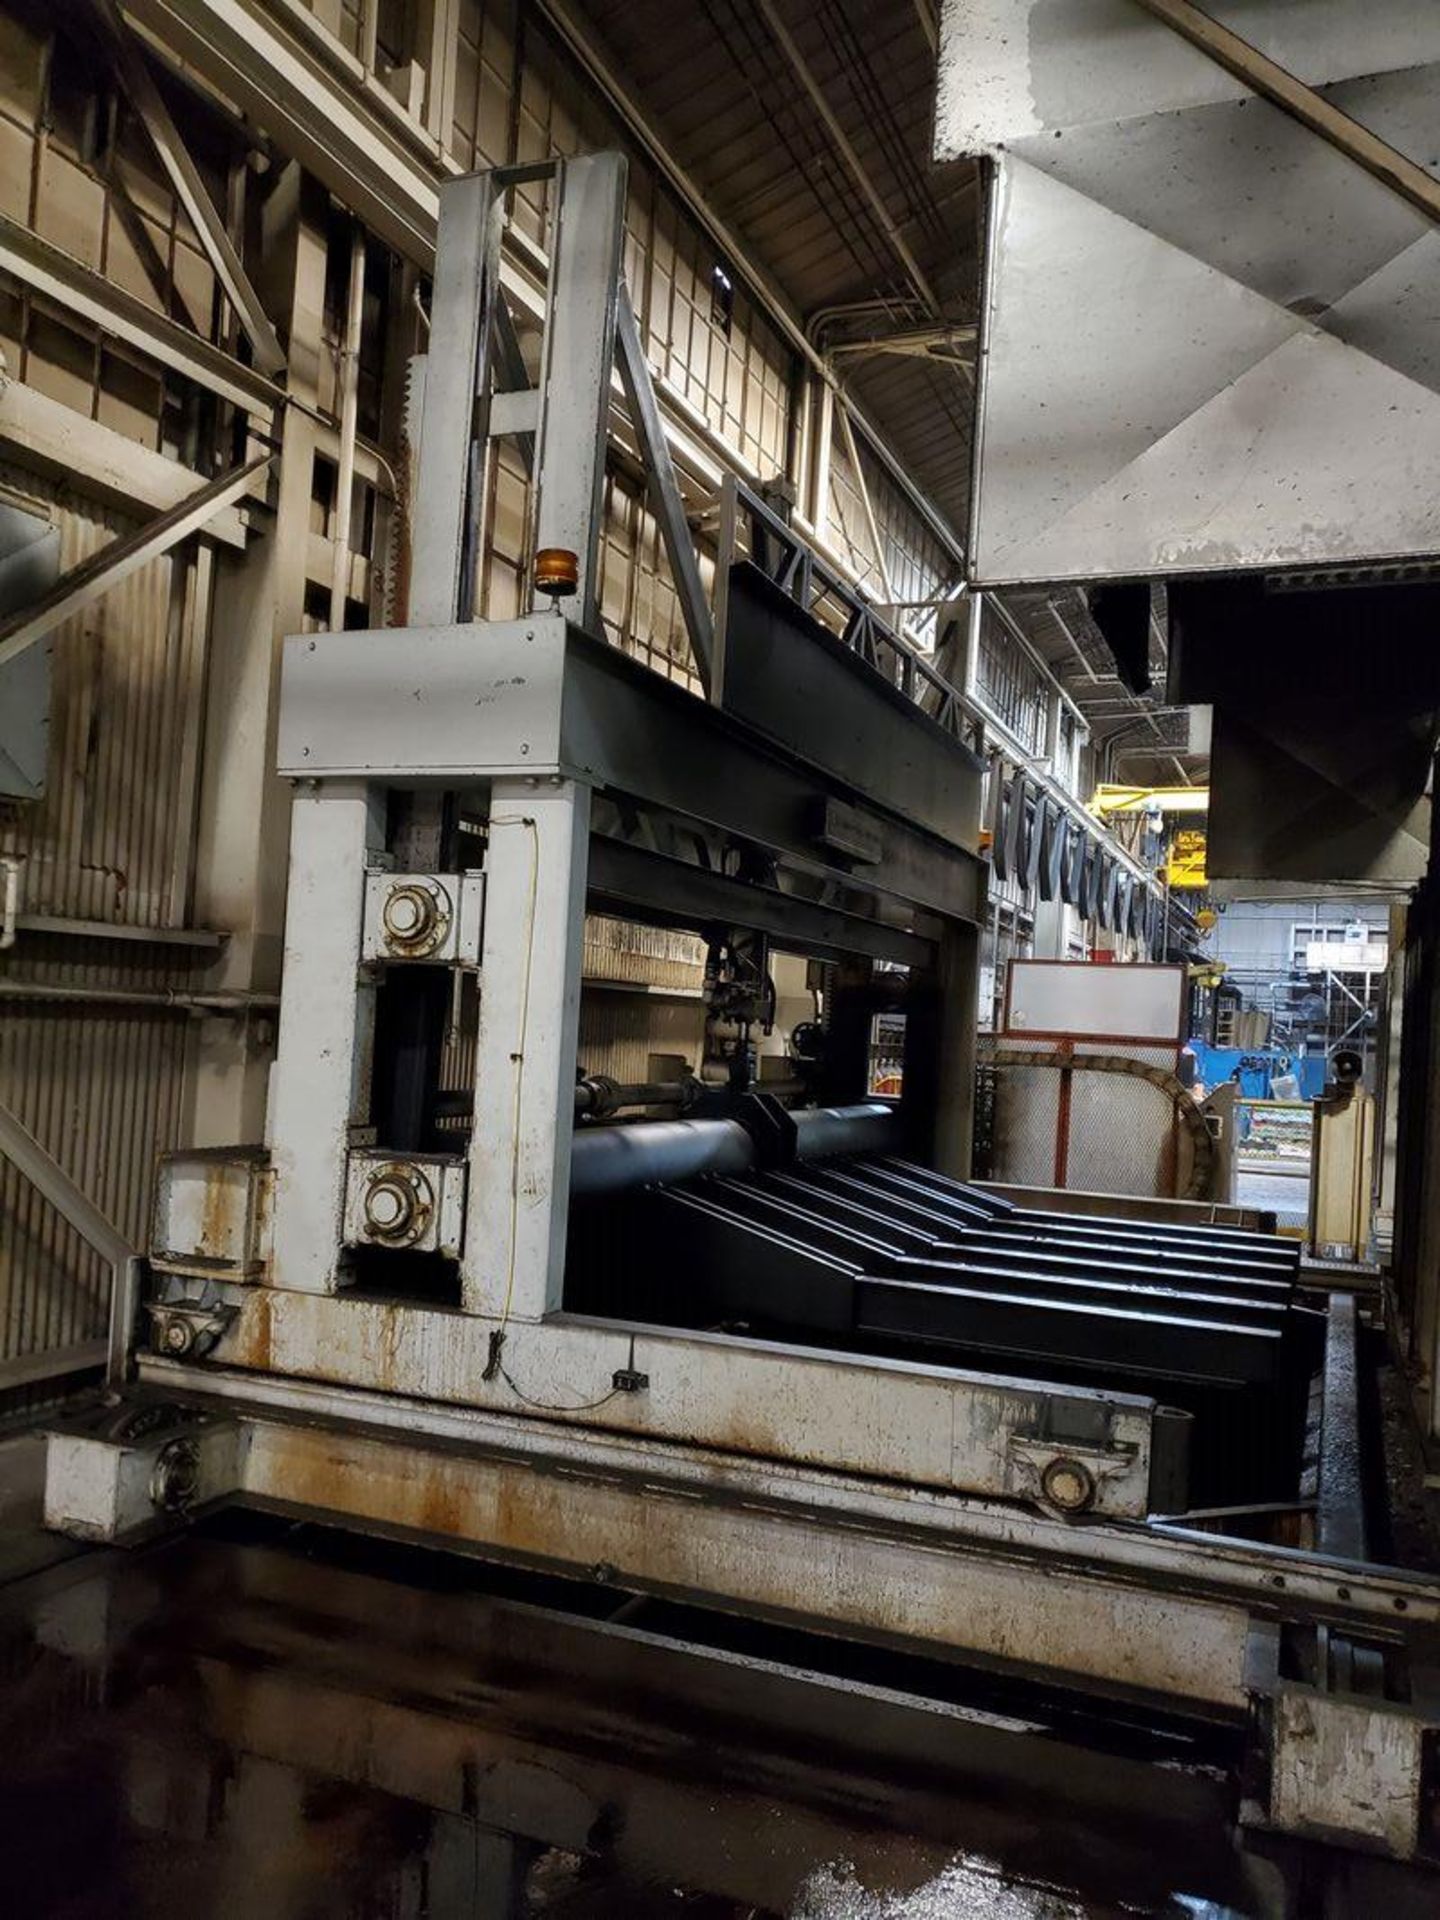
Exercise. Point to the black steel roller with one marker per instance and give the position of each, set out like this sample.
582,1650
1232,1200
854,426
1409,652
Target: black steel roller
662,1152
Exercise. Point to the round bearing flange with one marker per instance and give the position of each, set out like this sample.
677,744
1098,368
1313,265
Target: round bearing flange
398,1203
415,917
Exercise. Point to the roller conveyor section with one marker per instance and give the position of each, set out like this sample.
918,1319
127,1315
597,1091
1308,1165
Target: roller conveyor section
796,1239
1019,1245
1235,1244
872,1253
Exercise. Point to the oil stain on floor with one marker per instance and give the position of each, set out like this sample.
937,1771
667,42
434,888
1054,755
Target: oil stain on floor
261,1722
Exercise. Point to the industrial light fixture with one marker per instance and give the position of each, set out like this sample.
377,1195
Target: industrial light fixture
557,571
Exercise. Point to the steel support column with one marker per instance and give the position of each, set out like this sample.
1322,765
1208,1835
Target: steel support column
321,1076
579,361
513,1261
244,808
456,409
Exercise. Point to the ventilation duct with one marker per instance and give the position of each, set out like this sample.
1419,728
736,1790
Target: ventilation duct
1211,339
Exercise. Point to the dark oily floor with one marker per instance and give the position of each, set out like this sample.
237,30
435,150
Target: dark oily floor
265,1722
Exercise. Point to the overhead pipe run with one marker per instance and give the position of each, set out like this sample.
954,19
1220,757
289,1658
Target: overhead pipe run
349,420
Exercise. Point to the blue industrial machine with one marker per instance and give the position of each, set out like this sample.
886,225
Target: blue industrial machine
1256,1069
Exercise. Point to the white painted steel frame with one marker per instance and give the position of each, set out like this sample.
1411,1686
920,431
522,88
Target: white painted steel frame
1167,1621
875,1564
895,1420
491,720
318,1085
578,366
906,1423
456,396
513,1264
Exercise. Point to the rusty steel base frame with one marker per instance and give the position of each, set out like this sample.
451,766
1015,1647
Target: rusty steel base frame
1327,1662
927,1425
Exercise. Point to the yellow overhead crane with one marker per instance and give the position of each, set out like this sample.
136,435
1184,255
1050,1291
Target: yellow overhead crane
1109,800
1185,859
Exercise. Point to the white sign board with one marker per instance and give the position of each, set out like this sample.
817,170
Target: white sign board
1078,999
1347,956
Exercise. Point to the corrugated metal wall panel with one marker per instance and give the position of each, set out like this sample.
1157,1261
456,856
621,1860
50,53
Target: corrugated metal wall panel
620,1029
107,840
652,956
101,1087
102,1090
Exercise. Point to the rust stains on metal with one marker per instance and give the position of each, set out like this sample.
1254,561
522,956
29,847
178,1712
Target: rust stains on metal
217,1229
250,1340
661,1537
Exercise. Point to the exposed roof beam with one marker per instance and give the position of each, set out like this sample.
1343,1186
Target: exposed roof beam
1280,87
578,38
287,75
781,34
954,346
190,191
76,589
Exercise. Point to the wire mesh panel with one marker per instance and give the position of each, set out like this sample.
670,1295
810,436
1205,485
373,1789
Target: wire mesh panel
1098,1120
1121,1135
1026,1123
